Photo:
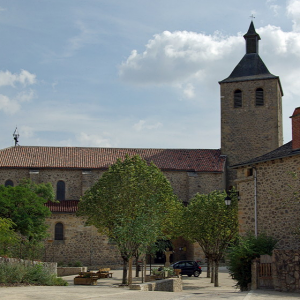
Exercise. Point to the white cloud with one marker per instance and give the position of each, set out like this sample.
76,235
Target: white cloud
189,91
92,140
26,96
274,7
142,125
24,77
8,106
85,36
171,58
293,11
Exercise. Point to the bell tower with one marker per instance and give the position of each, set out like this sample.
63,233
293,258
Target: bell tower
251,110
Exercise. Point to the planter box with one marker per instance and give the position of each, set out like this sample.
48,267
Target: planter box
66,271
150,278
85,281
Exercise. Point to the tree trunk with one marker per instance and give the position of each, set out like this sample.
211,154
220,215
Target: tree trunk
208,268
216,273
130,271
137,269
124,279
212,271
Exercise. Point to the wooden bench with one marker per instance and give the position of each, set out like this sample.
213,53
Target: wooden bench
86,278
104,273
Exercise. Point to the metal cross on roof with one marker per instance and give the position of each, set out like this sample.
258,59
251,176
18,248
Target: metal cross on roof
252,17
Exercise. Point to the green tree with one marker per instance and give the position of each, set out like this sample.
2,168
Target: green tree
8,237
208,221
243,252
24,206
133,204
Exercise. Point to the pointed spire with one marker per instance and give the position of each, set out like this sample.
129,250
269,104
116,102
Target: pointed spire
252,38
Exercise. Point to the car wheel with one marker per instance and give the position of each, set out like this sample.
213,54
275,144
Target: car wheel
196,273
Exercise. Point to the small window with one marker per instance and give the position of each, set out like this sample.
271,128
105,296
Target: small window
60,190
59,232
9,183
249,172
237,99
259,97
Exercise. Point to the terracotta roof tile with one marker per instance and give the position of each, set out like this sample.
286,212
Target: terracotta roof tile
198,160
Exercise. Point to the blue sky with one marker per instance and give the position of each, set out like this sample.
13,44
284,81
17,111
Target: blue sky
135,73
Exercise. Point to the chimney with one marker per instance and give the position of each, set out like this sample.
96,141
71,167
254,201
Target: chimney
296,129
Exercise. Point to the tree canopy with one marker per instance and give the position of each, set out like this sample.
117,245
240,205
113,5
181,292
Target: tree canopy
208,221
24,206
8,237
133,204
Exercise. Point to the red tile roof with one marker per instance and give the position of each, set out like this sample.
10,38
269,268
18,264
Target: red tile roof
67,206
198,160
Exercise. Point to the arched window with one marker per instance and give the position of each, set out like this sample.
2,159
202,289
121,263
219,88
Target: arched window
59,231
9,183
60,190
237,98
259,97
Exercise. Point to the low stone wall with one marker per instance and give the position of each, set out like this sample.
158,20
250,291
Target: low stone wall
166,285
66,271
286,270
51,266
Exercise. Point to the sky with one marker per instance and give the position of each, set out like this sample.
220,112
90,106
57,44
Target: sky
134,73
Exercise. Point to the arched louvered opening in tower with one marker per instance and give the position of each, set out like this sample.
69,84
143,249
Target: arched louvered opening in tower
259,97
237,98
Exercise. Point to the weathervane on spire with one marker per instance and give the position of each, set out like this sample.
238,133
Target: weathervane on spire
252,17
16,136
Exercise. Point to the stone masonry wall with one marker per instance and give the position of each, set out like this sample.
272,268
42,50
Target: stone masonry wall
81,243
185,184
286,270
278,208
250,131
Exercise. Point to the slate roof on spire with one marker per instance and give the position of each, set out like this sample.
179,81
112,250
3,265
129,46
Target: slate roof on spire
251,31
251,66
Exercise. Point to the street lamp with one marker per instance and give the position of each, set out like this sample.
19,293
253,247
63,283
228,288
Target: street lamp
228,199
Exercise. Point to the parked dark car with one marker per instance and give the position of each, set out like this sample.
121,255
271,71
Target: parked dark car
188,267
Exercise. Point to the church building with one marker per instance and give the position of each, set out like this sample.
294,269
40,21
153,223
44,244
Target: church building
251,125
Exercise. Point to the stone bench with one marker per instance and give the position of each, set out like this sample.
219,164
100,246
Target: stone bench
166,285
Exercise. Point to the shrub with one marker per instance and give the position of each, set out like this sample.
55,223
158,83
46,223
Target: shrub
30,274
243,252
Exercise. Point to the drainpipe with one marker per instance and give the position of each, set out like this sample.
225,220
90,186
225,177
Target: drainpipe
255,200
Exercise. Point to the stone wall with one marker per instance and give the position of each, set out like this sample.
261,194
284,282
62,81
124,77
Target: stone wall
51,266
165,285
185,184
278,208
286,270
250,131
81,243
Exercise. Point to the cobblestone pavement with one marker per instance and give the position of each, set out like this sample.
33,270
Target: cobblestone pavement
193,288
